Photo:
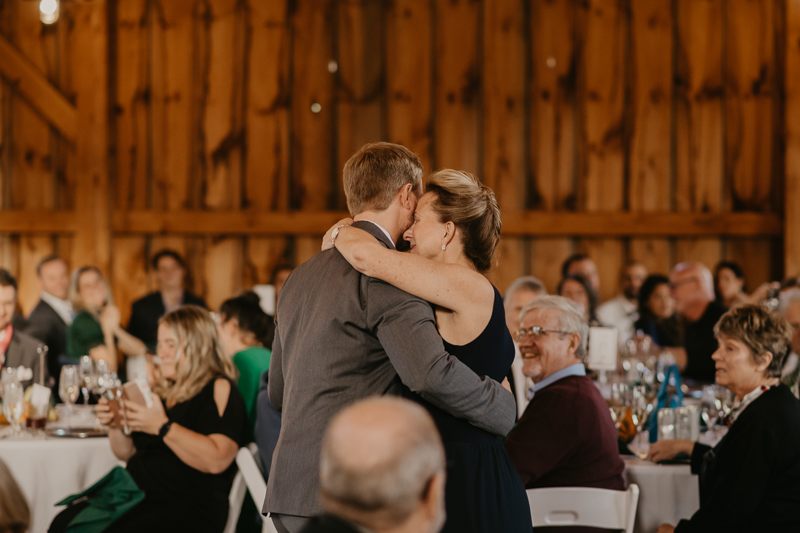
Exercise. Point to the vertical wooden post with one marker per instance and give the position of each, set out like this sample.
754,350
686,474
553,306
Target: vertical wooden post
792,199
90,75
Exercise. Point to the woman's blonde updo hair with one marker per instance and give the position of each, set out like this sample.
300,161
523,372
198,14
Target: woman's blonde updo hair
203,359
472,207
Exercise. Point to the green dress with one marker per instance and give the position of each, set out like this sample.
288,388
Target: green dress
252,363
83,334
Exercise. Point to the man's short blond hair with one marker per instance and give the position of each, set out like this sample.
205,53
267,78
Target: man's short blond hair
375,174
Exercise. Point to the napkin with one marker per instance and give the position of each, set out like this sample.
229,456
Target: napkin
109,498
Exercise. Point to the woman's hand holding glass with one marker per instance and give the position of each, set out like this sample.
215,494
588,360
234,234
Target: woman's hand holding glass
146,419
104,413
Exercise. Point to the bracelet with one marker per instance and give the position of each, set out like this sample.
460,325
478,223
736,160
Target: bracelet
162,432
336,233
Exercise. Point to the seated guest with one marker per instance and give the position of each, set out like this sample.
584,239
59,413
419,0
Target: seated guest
693,291
582,264
49,319
181,452
657,317
95,330
621,311
577,288
20,349
170,272
520,293
789,307
565,438
729,284
382,469
750,481
244,330
15,515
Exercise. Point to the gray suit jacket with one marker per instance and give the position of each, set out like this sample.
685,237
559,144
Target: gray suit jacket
341,337
22,352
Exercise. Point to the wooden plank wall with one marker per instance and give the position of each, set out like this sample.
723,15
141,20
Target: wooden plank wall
563,106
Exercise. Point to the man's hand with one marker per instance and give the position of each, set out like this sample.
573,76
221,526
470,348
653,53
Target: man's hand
666,528
327,239
664,450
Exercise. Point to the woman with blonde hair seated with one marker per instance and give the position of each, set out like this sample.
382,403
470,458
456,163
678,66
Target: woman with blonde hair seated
181,451
15,515
96,329
749,481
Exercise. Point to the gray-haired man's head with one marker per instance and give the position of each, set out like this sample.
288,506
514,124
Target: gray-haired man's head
552,336
520,293
383,466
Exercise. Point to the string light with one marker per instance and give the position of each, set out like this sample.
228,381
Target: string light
49,11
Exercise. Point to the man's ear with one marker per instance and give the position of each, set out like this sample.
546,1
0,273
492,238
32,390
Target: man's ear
574,342
405,194
433,497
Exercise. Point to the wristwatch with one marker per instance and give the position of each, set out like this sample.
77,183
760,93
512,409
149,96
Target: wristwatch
164,429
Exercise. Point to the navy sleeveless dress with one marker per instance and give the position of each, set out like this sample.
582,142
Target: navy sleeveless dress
484,493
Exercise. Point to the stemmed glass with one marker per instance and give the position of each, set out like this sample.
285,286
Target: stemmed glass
69,387
86,371
102,378
640,413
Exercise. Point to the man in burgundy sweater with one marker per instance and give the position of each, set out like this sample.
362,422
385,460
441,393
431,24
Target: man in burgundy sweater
565,437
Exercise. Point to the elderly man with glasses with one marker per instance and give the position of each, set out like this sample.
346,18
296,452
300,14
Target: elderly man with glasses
565,437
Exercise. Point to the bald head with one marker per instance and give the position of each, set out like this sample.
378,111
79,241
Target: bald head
379,459
692,288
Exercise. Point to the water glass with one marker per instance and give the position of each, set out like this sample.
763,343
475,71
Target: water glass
13,394
86,372
69,387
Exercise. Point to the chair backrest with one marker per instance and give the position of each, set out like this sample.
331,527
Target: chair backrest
580,506
247,460
235,501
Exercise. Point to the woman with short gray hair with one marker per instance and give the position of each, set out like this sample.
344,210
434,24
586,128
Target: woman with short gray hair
750,481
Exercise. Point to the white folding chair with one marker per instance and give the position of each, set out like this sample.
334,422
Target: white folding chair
235,500
247,460
579,506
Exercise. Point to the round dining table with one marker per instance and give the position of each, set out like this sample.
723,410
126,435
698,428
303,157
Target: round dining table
50,469
667,493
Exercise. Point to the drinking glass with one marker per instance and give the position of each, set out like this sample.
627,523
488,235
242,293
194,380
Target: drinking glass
86,371
12,404
69,387
640,413
102,378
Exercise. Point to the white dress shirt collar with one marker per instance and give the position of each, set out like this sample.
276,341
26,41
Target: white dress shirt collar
62,307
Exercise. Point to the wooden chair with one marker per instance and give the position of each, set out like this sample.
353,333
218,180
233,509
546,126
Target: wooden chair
579,506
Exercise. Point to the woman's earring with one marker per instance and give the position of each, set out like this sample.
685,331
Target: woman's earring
444,247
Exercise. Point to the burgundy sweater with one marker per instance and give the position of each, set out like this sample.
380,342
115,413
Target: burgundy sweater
565,438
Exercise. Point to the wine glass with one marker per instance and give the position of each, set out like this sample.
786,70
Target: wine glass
102,377
12,404
69,387
640,413
86,372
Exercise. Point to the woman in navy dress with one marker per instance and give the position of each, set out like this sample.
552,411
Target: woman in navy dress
454,234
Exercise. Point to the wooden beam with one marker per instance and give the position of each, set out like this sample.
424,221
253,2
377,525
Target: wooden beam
791,235
89,40
37,90
37,221
533,223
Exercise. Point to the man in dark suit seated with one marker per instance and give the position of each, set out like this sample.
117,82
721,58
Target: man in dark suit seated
20,349
565,437
49,319
170,271
381,469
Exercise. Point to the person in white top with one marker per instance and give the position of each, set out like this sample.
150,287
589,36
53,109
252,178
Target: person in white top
520,293
621,311
789,307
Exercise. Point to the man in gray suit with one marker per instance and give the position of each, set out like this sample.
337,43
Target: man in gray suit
342,336
18,348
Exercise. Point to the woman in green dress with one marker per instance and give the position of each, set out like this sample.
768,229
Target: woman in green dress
246,334
96,329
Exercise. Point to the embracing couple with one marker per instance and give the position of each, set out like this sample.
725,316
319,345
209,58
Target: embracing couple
364,319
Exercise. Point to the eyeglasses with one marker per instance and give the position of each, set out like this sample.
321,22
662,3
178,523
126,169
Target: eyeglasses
535,332
675,284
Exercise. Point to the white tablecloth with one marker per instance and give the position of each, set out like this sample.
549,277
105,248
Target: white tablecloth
667,493
49,470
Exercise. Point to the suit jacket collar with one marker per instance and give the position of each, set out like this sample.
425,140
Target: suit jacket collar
375,231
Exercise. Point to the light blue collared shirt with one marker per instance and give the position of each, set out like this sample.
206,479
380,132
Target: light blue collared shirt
573,370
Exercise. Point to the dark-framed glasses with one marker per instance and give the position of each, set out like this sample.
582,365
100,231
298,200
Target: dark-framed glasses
534,332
